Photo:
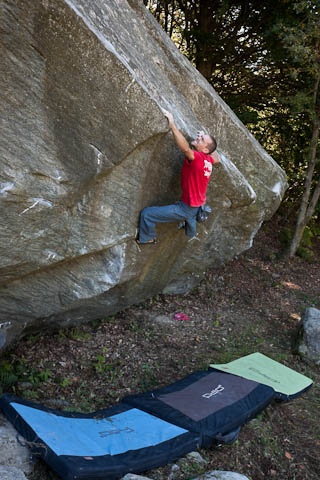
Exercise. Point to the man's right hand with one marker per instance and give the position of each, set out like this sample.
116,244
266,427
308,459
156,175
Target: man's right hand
169,117
179,137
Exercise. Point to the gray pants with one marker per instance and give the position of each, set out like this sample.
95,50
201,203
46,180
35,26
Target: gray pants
179,211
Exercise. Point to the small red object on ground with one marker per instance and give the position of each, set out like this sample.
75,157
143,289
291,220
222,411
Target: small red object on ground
181,316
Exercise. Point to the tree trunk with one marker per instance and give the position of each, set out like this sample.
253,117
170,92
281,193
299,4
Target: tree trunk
206,25
307,206
314,201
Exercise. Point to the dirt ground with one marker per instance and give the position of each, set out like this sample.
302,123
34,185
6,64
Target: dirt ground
253,304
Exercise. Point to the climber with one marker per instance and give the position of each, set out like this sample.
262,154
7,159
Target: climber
195,175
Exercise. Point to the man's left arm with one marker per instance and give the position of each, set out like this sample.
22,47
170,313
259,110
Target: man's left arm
216,158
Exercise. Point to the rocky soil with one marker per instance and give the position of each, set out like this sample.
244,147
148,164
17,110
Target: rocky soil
255,303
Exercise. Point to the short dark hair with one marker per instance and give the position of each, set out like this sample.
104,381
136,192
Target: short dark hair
212,145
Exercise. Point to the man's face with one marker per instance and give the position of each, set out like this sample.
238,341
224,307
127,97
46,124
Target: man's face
201,142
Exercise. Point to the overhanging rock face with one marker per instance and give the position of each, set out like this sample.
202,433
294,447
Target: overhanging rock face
85,146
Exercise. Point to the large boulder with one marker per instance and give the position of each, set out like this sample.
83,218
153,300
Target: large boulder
85,146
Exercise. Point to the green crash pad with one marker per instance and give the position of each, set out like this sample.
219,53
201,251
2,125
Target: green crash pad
262,369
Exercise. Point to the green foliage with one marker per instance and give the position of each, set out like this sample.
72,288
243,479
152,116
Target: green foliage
148,378
285,236
37,377
8,375
271,446
100,364
305,249
305,253
14,371
74,333
191,468
65,382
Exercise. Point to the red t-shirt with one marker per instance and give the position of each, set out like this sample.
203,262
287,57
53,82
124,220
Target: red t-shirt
195,176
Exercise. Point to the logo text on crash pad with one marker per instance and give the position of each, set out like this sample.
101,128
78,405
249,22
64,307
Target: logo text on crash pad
214,392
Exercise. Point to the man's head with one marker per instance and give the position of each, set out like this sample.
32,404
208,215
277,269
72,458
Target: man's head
204,143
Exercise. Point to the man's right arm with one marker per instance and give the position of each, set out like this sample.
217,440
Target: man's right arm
180,140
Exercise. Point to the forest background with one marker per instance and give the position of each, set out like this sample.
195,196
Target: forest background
263,59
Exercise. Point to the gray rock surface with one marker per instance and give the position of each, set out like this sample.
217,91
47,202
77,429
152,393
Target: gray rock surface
11,473
309,346
195,457
133,476
85,146
213,475
222,475
13,453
